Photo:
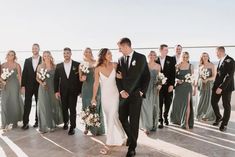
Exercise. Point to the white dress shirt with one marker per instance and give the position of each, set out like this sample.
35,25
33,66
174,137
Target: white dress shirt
67,68
35,62
222,60
130,58
177,59
162,61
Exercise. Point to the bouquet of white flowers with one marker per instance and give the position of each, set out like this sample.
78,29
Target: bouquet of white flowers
43,74
189,78
6,73
204,73
89,116
161,79
84,67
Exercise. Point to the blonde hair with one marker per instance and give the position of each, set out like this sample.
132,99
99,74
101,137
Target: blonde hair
201,60
92,57
52,59
12,51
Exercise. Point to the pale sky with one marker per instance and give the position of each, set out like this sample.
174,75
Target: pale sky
55,24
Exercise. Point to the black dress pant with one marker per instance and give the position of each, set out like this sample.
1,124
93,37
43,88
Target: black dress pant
28,104
129,115
165,99
69,104
226,101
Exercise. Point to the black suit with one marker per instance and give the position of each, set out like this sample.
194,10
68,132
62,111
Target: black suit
134,80
224,80
164,96
69,89
31,88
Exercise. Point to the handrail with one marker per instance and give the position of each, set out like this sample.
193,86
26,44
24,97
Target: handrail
136,48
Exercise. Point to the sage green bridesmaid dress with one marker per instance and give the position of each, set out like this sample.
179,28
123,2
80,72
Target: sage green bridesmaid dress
49,108
149,110
87,91
180,101
11,101
204,108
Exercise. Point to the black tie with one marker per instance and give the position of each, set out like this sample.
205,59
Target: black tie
127,62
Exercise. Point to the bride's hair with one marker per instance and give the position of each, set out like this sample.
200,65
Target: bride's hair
101,56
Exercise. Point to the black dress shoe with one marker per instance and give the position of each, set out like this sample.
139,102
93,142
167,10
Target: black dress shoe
128,142
65,127
25,127
222,128
35,125
166,122
217,121
160,126
71,131
131,153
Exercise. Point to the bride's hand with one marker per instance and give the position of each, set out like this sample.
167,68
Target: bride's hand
119,75
93,102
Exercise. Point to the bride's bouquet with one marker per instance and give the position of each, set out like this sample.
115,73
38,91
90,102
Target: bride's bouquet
84,67
161,79
6,73
204,73
43,74
189,78
89,116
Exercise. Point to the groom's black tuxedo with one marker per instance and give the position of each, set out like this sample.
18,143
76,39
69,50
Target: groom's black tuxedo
69,89
224,80
164,96
31,88
134,80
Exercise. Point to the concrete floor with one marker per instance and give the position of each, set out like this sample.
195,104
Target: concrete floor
203,140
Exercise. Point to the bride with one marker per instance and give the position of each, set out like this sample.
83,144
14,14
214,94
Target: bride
105,74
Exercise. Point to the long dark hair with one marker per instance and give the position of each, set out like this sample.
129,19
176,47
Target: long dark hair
101,56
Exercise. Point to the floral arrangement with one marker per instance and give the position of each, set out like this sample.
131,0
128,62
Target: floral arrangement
89,116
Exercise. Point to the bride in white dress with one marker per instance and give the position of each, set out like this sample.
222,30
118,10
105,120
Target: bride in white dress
105,76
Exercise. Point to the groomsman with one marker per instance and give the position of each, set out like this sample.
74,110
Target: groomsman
223,87
30,85
67,86
166,92
178,51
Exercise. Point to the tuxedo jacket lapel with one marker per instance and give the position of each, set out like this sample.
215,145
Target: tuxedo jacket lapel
132,59
31,63
63,70
71,69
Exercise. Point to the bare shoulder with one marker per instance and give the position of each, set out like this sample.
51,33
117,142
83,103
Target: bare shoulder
18,65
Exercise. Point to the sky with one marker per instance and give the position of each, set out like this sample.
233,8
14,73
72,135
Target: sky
55,24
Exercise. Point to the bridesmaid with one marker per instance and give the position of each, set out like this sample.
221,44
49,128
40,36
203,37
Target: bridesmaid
182,108
149,110
11,100
49,108
87,88
204,108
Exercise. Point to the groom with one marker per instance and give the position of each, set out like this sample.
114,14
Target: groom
67,86
223,87
132,88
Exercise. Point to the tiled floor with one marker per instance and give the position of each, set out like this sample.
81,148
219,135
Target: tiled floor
203,140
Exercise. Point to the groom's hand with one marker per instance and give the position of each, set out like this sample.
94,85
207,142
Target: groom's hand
170,88
124,94
218,91
57,95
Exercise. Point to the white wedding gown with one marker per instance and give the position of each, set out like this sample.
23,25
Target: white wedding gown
110,101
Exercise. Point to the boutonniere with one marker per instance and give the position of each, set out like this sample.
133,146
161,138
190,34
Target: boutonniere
228,60
74,68
133,63
167,62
